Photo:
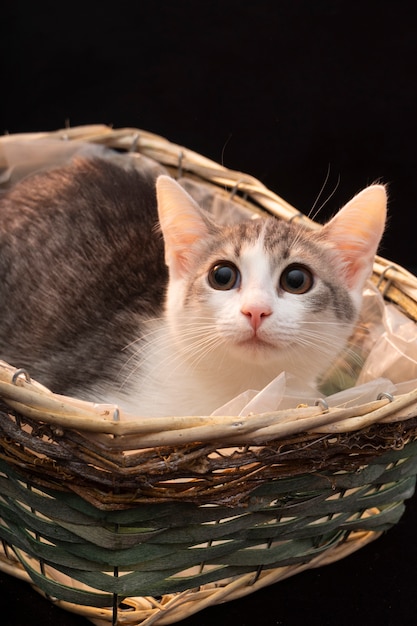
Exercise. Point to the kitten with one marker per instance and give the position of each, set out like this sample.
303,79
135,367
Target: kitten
87,307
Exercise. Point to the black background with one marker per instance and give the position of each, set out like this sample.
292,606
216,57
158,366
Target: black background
293,93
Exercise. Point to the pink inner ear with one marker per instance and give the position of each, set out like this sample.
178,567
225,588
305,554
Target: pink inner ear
182,225
356,268
356,231
181,236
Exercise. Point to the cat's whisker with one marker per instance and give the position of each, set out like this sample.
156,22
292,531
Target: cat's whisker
299,233
204,348
199,349
322,188
313,213
200,338
143,341
155,321
329,197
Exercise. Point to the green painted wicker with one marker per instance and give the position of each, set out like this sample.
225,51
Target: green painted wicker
147,521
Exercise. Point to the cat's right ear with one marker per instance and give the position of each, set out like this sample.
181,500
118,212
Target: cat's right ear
355,232
182,223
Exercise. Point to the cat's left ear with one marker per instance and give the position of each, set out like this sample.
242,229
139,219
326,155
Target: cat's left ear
183,225
356,231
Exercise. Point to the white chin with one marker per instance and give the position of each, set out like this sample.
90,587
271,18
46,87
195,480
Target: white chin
256,350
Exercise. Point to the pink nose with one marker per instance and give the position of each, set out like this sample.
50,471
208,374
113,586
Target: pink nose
256,314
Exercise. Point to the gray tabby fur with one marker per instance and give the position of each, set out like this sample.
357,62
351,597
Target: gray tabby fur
95,302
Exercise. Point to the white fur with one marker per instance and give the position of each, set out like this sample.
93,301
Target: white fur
205,352
181,375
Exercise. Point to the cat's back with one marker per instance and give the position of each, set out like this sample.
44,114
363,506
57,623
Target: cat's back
84,200
79,257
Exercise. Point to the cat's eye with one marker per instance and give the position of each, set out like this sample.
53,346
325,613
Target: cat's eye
224,276
296,279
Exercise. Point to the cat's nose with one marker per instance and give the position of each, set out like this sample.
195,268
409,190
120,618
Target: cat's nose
256,314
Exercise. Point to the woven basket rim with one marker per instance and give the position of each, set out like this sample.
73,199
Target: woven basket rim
35,401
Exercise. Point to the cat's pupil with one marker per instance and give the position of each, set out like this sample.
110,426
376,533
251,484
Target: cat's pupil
224,276
296,279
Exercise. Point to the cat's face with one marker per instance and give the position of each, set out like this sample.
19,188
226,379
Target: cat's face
264,294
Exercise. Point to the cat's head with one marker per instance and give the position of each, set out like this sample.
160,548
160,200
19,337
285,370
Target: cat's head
266,295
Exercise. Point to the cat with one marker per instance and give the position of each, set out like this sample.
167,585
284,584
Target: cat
99,302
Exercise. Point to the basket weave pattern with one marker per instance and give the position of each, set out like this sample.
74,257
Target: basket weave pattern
148,521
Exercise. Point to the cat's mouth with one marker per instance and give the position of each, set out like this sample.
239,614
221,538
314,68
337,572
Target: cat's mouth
256,343
261,344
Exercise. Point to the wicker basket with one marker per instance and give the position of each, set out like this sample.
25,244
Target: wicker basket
149,521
